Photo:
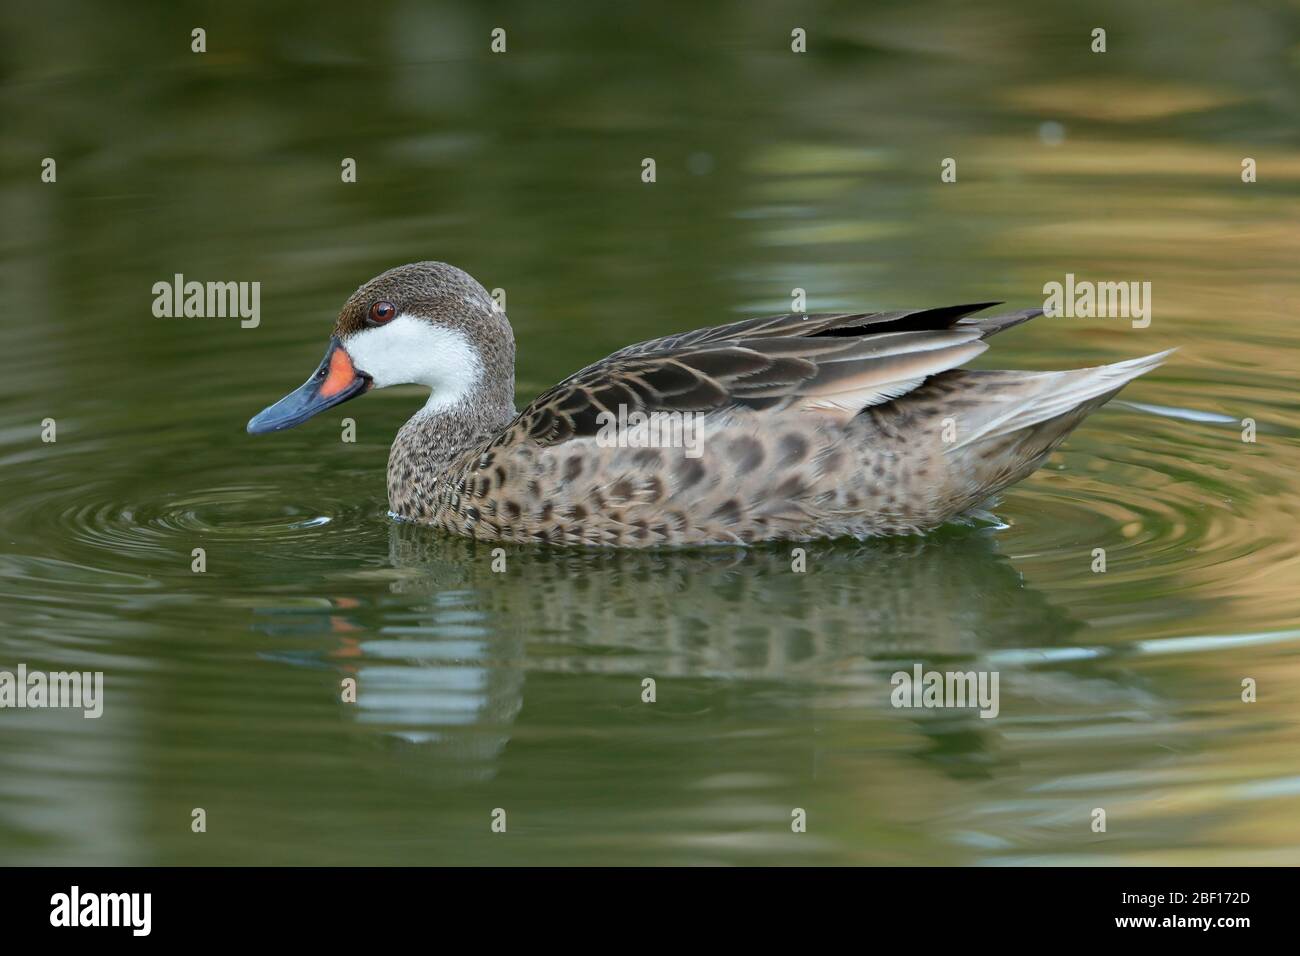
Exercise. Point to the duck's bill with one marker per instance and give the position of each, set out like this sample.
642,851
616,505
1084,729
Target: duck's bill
333,383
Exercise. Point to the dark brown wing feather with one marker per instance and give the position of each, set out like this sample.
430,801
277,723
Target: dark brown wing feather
836,364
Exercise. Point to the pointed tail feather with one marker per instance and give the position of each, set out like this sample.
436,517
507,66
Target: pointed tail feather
993,324
1045,396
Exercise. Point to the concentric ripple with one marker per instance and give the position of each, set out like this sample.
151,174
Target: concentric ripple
122,521
1158,500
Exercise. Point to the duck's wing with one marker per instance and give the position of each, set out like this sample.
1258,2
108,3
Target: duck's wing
833,365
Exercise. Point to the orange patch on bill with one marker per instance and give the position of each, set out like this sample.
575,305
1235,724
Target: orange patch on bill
341,375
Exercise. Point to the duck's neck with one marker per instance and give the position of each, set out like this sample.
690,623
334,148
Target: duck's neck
434,439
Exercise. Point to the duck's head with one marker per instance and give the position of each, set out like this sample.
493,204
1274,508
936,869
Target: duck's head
426,323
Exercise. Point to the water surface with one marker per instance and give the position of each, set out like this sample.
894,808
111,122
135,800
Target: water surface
522,690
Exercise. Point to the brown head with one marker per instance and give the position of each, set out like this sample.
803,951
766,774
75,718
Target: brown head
427,323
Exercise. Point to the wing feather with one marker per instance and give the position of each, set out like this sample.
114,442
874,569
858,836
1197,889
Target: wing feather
832,365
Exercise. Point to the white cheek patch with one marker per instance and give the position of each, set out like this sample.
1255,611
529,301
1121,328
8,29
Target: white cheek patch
412,351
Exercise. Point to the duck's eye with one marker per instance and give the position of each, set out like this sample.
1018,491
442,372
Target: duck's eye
381,312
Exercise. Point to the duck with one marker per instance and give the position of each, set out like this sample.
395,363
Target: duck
796,427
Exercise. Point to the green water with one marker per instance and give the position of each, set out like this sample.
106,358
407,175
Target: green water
522,690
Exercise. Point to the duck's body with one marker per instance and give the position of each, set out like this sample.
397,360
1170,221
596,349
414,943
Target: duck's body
796,427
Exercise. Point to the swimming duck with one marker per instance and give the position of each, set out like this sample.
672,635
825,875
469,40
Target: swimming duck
791,427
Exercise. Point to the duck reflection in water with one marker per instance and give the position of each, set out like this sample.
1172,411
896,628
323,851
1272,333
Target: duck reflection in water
442,667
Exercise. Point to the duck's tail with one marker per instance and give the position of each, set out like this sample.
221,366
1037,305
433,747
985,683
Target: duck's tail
1013,420
1015,401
